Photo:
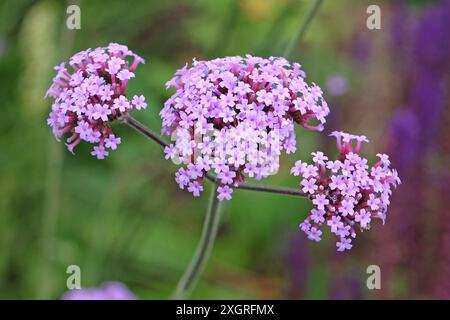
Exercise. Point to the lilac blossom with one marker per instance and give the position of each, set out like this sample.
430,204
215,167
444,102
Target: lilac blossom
346,193
90,93
224,193
236,115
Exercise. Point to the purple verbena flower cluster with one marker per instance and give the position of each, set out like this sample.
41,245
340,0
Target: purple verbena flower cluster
234,116
346,193
92,94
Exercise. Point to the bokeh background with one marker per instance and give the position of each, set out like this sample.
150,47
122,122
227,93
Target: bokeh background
124,218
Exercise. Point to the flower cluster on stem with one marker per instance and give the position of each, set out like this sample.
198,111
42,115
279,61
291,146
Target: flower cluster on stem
90,93
234,116
346,193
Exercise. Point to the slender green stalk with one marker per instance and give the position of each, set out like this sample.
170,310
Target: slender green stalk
296,39
203,251
142,129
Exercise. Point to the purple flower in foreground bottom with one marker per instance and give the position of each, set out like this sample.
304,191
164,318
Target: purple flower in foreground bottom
346,193
107,291
235,116
92,95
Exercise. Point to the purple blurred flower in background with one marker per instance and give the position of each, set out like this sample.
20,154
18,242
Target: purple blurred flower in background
441,285
107,291
421,54
297,260
337,85
405,127
346,287
360,47
431,43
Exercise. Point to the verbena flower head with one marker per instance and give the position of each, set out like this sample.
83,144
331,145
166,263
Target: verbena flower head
234,116
347,195
90,93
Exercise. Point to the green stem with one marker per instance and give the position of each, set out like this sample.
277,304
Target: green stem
302,29
203,251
